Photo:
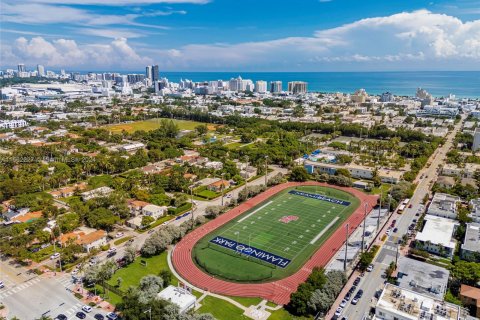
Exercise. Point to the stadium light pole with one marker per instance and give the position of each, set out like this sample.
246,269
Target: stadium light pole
379,210
246,180
346,249
363,233
191,199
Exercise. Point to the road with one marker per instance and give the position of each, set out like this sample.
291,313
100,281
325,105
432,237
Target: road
29,296
374,280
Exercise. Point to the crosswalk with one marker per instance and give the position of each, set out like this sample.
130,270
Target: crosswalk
8,291
65,280
70,313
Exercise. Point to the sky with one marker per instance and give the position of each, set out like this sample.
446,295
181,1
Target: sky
241,35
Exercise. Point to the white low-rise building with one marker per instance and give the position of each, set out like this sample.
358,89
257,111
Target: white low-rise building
437,236
13,124
396,303
96,193
154,211
444,205
183,298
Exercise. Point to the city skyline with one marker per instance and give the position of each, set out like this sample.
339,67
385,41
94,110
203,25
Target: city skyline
202,35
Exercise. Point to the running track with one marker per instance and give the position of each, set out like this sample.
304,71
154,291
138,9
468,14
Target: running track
277,291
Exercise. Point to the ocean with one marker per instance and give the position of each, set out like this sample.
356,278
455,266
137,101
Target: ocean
463,84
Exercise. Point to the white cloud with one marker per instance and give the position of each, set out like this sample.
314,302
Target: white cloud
423,38
66,53
110,33
40,13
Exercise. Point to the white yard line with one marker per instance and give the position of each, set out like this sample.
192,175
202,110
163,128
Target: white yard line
253,212
324,230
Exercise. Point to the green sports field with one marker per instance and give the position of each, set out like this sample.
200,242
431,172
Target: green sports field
289,226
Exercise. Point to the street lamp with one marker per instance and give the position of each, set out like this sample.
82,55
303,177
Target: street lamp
346,248
149,312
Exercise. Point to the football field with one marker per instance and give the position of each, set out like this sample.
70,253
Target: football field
275,238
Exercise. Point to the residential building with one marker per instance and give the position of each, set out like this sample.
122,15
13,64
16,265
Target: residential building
132,147
40,70
386,97
470,249
437,236
422,277
443,205
136,206
275,86
297,87
445,181
219,185
87,238
27,217
96,193
467,171
21,68
261,86
182,297
154,211
475,212
470,296
360,96
13,124
397,303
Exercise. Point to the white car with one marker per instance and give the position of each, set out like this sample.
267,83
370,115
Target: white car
2,285
112,316
87,308
338,312
112,250
343,303
119,234
55,256
370,268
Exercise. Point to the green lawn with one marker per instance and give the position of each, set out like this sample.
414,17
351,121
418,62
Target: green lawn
221,309
264,227
151,124
283,314
247,302
235,145
132,274
208,194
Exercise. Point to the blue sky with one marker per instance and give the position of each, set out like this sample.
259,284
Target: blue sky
246,35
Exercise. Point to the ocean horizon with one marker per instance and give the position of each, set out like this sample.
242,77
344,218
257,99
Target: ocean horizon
463,84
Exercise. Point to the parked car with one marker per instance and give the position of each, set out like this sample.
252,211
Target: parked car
2,285
370,268
343,304
80,315
338,312
87,308
355,300
395,230
119,234
112,316
99,316
61,316
347,296
55,256
356,281
352,289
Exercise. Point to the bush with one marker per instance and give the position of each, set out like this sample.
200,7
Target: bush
78,295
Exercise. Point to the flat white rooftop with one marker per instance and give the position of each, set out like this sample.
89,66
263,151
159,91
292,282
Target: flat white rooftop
438,230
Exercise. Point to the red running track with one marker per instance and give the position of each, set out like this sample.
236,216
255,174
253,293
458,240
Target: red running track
277,291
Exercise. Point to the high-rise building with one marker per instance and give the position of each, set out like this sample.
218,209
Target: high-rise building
261,86
155,73
148,72
476,140
235,84
275,86
360,96
40,70
21,68
297,87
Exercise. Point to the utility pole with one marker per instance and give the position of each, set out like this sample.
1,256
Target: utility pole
191,200
346,248
223,187
246,180
266,170
363,233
